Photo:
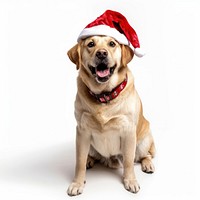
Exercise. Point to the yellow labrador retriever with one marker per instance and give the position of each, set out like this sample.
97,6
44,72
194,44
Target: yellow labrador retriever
111,127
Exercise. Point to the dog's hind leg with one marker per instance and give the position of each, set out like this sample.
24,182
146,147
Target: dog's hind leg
113,162
146,162
145,151
93,157
90,162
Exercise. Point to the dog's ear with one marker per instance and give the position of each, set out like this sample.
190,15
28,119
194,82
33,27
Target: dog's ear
74,55
127,54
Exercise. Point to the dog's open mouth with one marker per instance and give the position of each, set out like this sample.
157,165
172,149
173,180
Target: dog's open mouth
102,72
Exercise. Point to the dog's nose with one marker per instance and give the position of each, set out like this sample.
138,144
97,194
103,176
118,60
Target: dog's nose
101,54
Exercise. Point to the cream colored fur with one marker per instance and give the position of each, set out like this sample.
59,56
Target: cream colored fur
116,133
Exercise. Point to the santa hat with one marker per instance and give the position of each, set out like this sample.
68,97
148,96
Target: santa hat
113,24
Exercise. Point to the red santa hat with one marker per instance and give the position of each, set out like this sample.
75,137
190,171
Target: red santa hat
113,24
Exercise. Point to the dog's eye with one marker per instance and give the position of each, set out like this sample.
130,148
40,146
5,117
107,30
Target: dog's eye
91,44
112,44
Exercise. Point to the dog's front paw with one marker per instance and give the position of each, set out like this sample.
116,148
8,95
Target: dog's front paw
75,189
131,185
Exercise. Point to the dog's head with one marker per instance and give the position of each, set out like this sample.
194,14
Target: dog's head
100,57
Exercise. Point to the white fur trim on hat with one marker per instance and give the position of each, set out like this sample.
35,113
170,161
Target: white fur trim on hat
138,52
103,30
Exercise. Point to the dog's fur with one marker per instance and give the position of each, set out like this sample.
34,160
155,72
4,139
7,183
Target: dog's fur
113,133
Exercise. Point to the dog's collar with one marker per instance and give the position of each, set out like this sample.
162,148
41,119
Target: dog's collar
106,97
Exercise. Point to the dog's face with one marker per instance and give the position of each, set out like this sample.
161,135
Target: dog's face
100,56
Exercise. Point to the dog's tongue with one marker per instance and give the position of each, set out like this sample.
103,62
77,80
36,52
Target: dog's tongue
103,73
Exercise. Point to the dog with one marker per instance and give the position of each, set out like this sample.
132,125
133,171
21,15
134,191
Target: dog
111,127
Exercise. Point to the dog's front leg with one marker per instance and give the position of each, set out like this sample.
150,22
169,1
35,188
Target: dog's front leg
82,149
128,151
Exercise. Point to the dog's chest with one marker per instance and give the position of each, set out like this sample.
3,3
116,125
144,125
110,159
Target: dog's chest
107,144
106,132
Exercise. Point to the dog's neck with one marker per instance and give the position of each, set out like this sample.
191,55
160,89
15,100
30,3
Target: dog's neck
106,97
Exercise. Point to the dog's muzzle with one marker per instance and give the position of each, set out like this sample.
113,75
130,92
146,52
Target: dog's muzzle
102,72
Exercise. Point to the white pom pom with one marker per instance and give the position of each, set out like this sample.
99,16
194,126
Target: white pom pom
138,52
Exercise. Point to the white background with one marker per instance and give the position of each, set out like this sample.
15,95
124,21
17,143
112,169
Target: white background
38,87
